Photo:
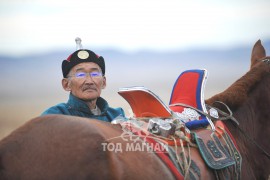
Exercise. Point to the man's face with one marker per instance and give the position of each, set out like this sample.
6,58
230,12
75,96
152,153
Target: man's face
86,87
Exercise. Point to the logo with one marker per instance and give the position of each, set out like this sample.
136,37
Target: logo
83,54
134,139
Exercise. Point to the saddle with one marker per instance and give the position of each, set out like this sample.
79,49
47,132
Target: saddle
186,125
188,92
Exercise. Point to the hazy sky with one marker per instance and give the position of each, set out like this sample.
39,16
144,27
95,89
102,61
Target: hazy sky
29,26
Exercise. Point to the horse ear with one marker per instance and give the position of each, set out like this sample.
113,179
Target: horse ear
258,52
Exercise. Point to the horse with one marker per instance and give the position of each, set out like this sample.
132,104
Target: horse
249,99
68,147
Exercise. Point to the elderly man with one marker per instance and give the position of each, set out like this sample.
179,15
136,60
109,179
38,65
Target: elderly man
84,77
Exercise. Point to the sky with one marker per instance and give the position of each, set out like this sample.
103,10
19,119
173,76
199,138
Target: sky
32,26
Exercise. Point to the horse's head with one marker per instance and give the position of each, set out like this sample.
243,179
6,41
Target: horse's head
258,55
235,95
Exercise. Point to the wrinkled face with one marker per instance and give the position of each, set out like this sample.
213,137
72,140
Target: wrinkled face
85,81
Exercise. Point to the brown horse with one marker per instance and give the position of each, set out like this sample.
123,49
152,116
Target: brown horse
249,98
66,147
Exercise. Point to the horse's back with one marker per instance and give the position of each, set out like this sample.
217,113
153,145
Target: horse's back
52,147
66,147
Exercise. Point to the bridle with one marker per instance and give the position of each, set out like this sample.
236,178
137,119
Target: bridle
236,124
226,116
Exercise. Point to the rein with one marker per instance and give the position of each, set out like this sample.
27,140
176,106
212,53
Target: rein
237,126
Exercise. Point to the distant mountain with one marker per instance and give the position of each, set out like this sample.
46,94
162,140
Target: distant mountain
114,55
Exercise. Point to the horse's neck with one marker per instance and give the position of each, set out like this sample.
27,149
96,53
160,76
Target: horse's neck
254,118
255,110
238,92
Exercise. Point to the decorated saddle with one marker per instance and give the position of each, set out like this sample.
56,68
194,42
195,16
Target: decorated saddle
187,95
185,124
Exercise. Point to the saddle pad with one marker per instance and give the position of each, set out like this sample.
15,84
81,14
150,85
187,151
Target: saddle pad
215,155
162,154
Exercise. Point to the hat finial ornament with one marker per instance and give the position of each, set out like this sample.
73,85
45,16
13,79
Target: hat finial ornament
78,43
